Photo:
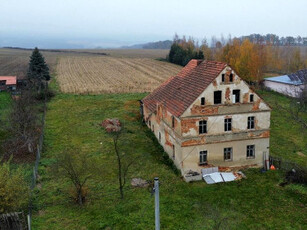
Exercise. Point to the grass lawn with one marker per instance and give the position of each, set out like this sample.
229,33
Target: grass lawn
254,203
288,139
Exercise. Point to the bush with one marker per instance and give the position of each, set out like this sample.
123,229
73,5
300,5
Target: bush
41,95
14,190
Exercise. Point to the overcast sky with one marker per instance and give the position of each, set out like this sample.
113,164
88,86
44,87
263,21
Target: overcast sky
113,23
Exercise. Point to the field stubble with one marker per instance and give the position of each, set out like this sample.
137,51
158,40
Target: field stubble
97,74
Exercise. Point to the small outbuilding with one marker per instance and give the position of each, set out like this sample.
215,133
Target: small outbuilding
291,85
8,83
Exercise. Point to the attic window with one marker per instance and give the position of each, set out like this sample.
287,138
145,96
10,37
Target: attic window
251,98
202,101
223,77
236,93
217,97
231,77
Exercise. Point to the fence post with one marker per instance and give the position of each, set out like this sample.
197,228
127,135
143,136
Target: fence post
157,208
29,222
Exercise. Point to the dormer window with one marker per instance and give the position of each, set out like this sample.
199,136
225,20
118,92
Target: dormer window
202,101
231,77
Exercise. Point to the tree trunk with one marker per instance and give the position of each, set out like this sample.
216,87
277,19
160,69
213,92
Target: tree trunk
80,196
119,169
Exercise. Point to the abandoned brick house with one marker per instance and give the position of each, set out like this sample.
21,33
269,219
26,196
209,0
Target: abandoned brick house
208,116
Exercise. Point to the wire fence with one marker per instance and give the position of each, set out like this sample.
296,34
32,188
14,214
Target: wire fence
284,165
35,168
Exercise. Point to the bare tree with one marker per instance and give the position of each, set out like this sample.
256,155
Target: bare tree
77,167
22,125
114,128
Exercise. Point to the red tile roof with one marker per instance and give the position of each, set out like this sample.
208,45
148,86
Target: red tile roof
10,80
179,92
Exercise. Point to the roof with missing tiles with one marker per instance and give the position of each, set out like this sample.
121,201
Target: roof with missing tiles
297,78
179,92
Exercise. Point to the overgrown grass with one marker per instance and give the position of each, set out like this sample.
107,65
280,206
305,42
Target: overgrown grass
5,102
288,139
254,203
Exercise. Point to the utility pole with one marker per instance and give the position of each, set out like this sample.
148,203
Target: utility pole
157,208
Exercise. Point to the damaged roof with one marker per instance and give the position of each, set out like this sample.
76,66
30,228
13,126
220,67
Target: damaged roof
298,78
179,92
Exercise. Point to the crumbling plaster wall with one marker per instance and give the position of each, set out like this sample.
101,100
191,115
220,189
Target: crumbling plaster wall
215,124
226,107
161,122
215,154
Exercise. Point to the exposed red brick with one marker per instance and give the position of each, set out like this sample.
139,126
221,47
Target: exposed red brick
193,142
214,83
201,110
256,105
186,125
167,139
245,98
227,94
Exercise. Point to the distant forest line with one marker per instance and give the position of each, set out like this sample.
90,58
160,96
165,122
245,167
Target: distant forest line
250,56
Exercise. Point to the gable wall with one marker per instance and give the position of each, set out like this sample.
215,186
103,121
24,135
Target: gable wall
227,88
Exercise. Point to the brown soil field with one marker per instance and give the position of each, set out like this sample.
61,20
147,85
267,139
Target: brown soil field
107,74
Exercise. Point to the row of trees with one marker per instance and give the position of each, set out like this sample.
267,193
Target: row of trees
250,59
22,127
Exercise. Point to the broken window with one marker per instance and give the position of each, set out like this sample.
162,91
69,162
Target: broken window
223,77
250,151
149,123
227,124
231,77
159,137
202,157
217,97
251,98
202,127
250,122
228,154
236,93
202,101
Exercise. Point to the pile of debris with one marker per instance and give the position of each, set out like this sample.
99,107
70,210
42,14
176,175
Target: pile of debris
111,125
213,175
